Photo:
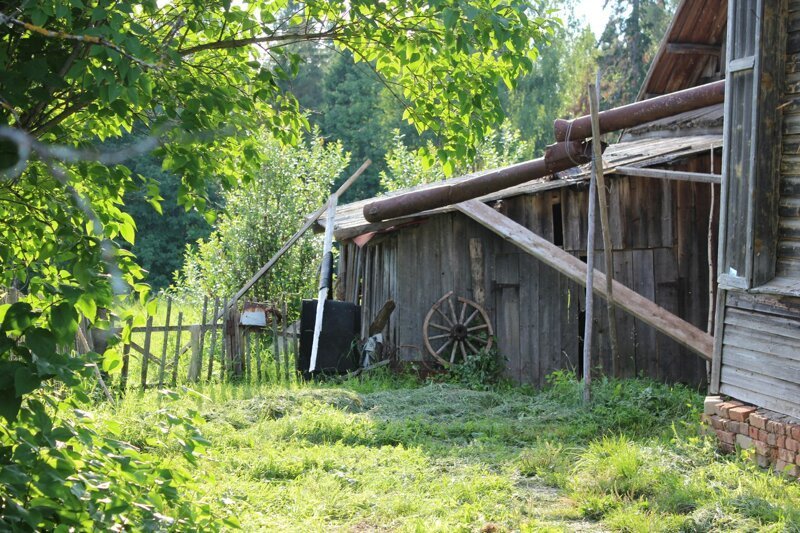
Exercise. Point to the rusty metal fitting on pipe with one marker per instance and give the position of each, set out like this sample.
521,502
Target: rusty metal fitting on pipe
558,157
638,113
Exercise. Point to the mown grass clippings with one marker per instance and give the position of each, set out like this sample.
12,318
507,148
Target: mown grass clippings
395,454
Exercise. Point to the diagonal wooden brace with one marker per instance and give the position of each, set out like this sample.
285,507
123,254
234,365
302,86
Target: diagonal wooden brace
631,301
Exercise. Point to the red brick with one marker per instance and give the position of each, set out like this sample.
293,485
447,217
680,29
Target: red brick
780,442
796,432
754,432
744,428
776,427
786,455
789,469
762,435
772,439
744,442
764,449
740,414
797,459
792,445
726,436
723,408
762,460
758,419
724,447
716,422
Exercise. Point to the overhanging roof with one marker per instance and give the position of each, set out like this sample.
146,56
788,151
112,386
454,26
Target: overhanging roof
350,220
691,49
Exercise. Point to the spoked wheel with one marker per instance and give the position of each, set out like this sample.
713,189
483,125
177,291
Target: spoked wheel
455,328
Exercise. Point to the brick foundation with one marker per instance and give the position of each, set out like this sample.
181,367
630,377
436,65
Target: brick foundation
775,438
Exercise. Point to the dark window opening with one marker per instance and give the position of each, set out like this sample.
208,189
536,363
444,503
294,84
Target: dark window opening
558,225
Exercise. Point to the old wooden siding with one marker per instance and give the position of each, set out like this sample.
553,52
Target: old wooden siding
761,351
788,253
659,240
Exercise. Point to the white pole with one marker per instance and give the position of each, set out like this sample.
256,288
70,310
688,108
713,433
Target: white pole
323,280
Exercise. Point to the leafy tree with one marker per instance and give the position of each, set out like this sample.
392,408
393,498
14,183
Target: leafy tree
201,78
350,107
259,218
556,87
163,228
628,45
407,167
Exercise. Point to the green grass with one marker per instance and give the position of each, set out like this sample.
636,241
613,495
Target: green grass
389,453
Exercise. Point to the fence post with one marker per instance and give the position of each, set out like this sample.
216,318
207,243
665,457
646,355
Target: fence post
146,350
276,351
285,342
202,335
196,362
177,350
163,361
126,357
215,319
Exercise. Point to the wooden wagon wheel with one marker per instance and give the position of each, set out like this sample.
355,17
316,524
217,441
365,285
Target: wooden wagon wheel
454,330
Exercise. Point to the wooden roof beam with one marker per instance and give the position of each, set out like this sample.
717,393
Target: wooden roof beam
658,173
694,49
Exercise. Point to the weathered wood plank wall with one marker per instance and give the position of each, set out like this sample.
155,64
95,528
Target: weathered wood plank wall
789,207
761,351
760,348
659,240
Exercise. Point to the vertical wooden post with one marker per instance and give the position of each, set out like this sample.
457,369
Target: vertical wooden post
476,267
259,346
232,342
146,349
276,353
215,320
163,361
588,326
608,249
248,354
285,340
711,266
177,350
126,359
224,363
202,335
196,362
295,345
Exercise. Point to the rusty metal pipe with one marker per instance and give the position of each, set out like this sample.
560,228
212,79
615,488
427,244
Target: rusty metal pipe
558,157
638,113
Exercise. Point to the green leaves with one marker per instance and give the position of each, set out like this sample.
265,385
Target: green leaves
63,322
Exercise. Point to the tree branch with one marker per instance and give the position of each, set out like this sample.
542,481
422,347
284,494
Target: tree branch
238,43
90,39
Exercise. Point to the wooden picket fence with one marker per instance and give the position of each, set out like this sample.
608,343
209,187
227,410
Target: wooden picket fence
216,348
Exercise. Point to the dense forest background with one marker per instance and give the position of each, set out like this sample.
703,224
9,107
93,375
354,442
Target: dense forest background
362,118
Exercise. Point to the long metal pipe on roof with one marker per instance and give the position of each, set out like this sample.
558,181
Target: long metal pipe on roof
558,157
637,113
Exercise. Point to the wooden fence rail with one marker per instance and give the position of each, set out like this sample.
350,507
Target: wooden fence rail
254,354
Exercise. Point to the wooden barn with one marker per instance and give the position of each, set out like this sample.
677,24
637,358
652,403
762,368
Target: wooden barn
662,181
